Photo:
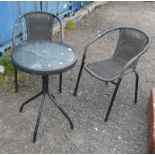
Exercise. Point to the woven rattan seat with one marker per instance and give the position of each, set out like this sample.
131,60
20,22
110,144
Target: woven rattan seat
107,70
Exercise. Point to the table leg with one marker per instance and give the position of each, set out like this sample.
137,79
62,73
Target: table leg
60,83
45,91
26,102
38,118
63,112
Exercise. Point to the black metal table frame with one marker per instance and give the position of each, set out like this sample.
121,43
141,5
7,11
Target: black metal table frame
44,92
45,86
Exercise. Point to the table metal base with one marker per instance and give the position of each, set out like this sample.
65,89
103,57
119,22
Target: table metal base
44,92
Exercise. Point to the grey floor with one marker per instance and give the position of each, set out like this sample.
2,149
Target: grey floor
126,130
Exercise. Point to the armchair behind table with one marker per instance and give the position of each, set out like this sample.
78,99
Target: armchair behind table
39,26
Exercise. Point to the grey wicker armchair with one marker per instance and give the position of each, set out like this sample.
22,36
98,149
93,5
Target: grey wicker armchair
38,26
132,43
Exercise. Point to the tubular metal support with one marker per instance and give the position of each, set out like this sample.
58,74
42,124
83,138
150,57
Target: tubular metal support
114,83
38,118
60,83
136,86
78,79
112,100
45,91
26,102
63,112
16,80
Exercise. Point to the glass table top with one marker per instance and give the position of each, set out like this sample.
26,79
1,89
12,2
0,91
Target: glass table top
43,56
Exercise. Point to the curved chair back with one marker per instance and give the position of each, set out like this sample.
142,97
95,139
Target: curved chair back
131,42
39,25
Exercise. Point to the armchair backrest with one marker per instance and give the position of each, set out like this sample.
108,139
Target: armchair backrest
131,42
39,25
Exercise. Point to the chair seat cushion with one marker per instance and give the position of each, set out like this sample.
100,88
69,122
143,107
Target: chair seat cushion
107,70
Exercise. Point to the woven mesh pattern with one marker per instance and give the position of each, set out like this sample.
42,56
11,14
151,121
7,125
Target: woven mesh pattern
39,26
130,43
107,70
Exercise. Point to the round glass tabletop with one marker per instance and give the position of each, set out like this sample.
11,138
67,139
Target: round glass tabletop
44,57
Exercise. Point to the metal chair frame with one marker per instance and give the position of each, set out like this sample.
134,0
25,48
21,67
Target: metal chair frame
17,23
128,67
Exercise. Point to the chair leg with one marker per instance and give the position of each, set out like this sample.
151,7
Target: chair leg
38,118
16,80
136,86
60,83
112,100
78,79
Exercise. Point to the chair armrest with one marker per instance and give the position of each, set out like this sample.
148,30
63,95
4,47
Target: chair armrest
61,28
133,60
94,40
128,65
14,32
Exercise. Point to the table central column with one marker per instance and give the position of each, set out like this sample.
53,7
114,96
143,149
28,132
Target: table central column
45,83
